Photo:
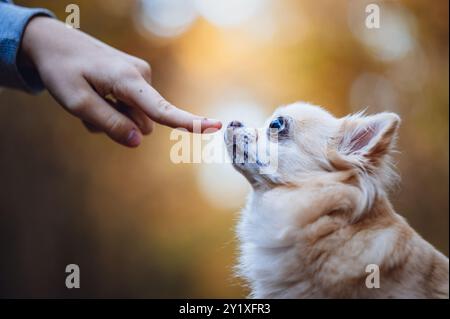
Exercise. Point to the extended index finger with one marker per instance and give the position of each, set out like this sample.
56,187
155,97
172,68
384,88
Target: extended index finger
140,94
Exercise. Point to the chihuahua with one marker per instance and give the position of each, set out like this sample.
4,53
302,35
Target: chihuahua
320,224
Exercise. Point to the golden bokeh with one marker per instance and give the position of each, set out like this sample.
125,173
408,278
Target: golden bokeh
141,226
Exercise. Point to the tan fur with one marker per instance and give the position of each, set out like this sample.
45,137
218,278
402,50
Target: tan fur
413,268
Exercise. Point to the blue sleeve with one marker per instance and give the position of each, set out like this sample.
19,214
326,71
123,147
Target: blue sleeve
13,21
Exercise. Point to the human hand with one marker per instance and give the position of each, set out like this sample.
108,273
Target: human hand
82,73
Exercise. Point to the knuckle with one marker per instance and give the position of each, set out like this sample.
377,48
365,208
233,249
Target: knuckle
114,124
144,67
79,104
128,73
122,87
163,107
124,79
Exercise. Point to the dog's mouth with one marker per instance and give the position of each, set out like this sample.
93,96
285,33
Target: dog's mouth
231,138
242,146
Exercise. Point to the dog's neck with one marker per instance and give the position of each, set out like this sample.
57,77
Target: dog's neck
312,221
339,195
371,192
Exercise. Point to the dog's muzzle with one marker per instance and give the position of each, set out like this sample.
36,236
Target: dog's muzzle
237,139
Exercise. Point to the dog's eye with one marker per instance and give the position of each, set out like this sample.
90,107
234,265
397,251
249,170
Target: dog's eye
277,124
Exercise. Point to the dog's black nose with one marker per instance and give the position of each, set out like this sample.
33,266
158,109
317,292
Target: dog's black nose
235,124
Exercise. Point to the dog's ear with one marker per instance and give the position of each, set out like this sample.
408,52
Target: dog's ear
367,139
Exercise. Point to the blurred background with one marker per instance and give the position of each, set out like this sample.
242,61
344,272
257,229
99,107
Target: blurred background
139,225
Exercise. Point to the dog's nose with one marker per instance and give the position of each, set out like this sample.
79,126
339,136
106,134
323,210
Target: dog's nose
235,124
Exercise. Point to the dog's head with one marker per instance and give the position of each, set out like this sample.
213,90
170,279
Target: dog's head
301,140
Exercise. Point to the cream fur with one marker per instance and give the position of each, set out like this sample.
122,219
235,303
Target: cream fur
310,229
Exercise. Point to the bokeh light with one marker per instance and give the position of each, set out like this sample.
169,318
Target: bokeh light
231,12
166,18
393,40
142,226
374,92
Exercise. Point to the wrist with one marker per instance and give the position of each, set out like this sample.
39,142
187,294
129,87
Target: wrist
32,39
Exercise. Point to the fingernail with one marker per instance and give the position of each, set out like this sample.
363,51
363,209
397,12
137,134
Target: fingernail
212,123
134,138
